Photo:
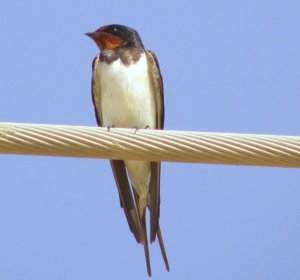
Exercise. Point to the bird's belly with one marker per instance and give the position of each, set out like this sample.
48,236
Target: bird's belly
127,100
126,95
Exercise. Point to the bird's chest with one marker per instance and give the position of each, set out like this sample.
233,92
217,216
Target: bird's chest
126,94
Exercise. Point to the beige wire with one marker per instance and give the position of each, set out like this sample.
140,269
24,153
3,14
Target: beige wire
152,145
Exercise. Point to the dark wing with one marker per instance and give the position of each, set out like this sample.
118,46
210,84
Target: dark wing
127,200
157,86
118,167
96,92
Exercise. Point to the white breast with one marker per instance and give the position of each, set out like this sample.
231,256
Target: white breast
126,95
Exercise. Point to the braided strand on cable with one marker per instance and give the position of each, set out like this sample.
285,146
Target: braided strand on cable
151,145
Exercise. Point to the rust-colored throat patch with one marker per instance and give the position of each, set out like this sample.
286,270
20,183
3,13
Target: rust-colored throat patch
108,41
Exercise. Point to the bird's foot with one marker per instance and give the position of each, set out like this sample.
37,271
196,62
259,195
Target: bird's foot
135,129
110,126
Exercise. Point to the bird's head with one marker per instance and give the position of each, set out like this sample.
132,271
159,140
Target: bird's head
115,36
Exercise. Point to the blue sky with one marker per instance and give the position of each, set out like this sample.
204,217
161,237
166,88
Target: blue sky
228,66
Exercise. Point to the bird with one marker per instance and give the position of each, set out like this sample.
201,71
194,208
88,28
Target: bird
127,92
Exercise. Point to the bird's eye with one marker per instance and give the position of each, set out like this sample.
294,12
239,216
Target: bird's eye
115,29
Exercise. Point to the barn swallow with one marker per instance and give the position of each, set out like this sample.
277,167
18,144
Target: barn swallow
127,92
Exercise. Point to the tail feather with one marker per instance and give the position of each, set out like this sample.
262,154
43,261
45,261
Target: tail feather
162,248
142,220
136,217
146,245
154,190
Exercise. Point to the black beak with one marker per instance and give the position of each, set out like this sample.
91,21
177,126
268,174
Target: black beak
90,34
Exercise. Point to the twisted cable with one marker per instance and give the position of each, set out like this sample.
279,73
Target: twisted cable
150,145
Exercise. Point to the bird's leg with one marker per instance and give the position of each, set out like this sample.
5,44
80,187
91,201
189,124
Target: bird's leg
109,127
136,128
